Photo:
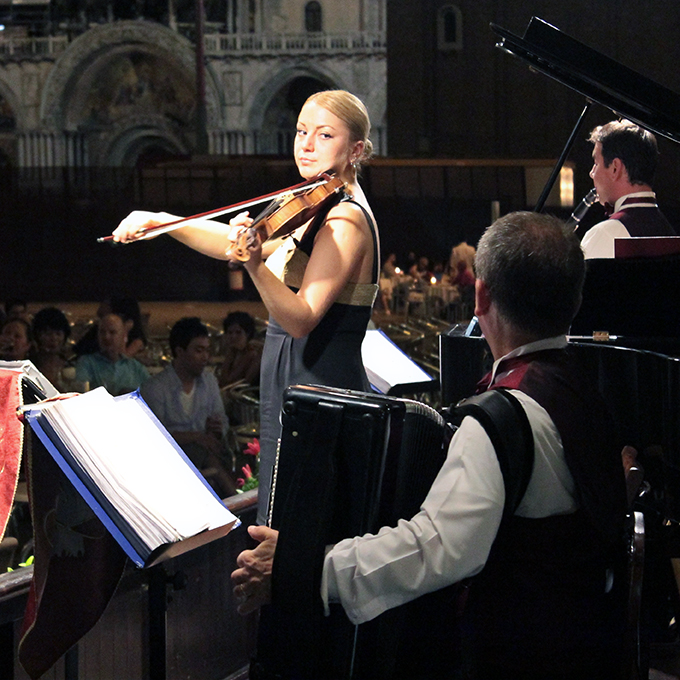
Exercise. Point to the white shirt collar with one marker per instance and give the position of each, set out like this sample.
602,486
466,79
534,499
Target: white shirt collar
556,342
638,194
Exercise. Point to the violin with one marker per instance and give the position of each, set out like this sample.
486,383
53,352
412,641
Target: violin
288,210
286,213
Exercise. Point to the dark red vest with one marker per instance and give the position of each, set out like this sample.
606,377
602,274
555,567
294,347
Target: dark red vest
541,603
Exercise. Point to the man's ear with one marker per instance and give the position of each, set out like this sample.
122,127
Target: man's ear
618,169
482,298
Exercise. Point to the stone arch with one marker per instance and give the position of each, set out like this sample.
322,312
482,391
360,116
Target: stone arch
266,92
118,74
140,137
276,103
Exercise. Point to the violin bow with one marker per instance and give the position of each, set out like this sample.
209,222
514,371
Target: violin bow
144,234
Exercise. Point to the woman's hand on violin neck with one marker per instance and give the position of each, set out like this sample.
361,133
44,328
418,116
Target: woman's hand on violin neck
254,247
243,243
133,226
241,220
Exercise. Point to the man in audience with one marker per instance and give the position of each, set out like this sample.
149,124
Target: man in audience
110,366
16,308
186,398
624,162
540,605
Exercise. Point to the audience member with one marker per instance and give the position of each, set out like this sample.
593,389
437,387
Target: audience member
420,270
128,309
389,278
51,330
15,339
540,605
242,353
16,308
389,269
462,252
110,366
186,398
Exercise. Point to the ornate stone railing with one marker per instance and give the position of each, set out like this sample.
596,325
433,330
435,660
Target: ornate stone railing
223,44
49,47
258,44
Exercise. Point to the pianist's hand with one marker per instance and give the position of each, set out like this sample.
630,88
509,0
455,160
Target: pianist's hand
252,580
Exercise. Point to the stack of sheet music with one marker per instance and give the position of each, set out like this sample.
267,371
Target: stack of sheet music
130,471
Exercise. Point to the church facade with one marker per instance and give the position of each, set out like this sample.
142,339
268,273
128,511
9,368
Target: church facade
109,84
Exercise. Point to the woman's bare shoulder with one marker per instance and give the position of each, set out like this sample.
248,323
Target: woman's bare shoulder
348,213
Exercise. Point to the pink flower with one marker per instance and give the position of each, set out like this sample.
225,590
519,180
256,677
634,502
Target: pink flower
252,448
247,471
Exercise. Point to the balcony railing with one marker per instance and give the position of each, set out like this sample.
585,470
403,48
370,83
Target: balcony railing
49,47
259,44
223,44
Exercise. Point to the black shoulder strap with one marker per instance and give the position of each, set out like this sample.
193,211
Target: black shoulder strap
374,233
505,422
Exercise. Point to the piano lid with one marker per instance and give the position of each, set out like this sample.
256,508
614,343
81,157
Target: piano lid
596,76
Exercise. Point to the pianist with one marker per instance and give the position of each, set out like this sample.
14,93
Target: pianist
539,605
624,162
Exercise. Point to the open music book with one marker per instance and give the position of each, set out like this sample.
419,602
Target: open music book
131,473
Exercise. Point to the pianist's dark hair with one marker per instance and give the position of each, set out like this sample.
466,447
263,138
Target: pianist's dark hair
534,269
184,331
635,146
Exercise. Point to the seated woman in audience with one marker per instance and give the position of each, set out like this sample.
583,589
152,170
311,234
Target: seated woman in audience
15,340
51,330
242,353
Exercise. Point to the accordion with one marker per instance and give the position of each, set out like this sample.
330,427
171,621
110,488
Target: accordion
348,463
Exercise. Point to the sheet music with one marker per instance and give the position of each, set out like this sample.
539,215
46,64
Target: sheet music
136,465
386,365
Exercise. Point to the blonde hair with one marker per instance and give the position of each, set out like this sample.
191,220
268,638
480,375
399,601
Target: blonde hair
351,111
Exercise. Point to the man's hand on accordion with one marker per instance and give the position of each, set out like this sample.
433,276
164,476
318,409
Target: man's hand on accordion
252,580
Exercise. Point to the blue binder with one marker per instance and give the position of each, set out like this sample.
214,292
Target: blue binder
132,544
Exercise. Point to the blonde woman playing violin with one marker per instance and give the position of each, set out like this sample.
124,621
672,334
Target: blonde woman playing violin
319,283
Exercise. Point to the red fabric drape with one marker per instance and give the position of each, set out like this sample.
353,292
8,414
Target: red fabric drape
11,442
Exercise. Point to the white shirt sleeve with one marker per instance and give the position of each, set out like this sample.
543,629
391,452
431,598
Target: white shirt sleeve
598,241
448,540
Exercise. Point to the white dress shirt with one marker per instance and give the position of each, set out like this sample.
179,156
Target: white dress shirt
598,241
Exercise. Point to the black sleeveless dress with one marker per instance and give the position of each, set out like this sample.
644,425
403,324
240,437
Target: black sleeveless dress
330,355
